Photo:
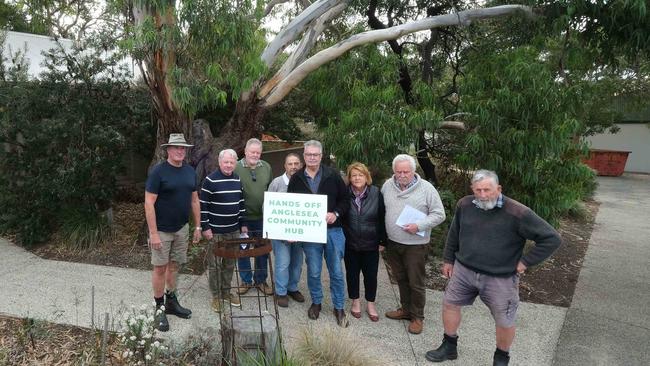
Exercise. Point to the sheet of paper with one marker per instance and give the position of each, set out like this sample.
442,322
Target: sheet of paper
410,215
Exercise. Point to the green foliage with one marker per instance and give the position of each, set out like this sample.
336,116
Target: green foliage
138,343
212,48
63,140
12,19
362,109
83,230
522,127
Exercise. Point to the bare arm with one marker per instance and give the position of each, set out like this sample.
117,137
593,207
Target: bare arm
196,213
150,215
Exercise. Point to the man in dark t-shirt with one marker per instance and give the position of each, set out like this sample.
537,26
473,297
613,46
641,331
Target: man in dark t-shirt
170,195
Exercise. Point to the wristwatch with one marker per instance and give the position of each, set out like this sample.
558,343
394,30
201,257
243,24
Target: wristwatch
197,228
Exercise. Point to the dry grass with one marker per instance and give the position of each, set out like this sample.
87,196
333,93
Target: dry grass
330,347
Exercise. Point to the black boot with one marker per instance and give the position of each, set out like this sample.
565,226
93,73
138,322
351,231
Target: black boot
160,320
501,358
446,351
172,306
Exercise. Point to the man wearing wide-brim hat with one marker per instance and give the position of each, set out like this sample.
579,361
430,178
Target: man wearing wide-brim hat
170,195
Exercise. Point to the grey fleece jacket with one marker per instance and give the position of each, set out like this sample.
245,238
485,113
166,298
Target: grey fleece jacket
421,196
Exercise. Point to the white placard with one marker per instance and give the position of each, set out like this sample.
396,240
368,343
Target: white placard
295,216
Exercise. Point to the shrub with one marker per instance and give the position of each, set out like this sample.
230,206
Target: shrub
63,138
139,347
526,134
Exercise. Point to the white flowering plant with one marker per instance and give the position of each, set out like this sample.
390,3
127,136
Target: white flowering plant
137,336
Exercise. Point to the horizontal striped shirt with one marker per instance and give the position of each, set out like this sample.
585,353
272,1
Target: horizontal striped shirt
222,203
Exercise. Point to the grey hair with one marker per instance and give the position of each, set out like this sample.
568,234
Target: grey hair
253,141
404,157
481,174
230,152
314,143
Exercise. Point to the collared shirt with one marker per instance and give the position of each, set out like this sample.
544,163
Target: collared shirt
245,165
499,202
285,178
313,182
411,184
359,197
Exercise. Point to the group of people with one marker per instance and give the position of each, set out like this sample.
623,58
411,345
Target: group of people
483,256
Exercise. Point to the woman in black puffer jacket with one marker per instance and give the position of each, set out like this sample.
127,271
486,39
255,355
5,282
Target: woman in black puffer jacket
364,229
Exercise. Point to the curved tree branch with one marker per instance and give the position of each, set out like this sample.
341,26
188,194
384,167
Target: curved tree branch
304,47
298,25
464,18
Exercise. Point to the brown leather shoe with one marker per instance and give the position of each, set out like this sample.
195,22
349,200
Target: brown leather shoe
266,289
283,301
416,326
399,314
244,287
314,311
341,318
296,296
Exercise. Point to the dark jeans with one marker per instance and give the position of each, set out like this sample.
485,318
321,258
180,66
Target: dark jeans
366,262
261,263
407,266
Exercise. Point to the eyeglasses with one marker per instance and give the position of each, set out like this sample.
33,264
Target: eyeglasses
312,155
253,176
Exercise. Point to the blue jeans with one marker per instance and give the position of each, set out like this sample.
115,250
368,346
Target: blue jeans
334,251
261,262
288,266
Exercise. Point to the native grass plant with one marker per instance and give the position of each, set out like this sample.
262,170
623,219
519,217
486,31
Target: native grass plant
137,337
330,347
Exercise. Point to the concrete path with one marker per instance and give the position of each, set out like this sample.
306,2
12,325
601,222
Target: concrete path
608,322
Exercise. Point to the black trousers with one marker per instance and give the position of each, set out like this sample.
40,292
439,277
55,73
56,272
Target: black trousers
366,262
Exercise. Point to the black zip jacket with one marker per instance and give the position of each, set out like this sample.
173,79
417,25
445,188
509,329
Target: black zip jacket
331,185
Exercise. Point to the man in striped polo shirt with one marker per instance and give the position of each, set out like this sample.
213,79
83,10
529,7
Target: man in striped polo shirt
222,218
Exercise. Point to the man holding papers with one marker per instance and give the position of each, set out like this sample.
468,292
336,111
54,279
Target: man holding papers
413,208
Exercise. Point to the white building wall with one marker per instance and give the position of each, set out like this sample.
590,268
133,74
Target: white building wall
34,45
633,137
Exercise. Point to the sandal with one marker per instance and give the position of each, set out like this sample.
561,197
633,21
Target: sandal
374,318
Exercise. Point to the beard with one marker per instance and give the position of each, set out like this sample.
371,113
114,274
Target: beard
487,204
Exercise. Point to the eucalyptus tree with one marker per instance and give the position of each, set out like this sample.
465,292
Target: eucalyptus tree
197,53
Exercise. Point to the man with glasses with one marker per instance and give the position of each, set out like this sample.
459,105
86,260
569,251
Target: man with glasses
407,242
255,175
316,178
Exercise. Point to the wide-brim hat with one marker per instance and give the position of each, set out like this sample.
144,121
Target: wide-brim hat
176,139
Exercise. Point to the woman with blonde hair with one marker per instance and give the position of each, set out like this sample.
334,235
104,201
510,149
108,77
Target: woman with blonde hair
364,229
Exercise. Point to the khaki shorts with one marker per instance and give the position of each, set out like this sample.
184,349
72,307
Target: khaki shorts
174,247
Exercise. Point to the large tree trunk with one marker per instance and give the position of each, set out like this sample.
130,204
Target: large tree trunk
243,125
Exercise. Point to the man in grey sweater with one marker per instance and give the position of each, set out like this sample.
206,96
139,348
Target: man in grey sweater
484,257
407,240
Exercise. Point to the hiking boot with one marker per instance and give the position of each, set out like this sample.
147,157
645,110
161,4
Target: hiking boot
234,300
399,314
341,318
243,289
172,307
266,289
446,351
314,311
217,305
416,326
283,301
160,319
296,296
501,358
